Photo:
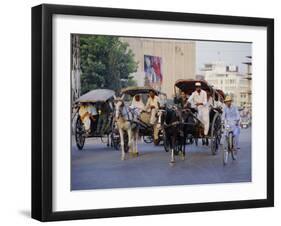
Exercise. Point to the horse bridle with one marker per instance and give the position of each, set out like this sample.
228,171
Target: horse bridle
120,112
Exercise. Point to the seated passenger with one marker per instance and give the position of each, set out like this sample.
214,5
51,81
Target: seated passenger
152,106
87,111
137,104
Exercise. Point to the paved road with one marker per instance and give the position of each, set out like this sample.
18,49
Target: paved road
100,167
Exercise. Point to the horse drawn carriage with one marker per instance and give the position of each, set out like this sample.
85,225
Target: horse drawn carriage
193,127
133,117
93,116
149,132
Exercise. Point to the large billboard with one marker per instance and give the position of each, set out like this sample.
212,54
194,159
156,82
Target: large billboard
153,71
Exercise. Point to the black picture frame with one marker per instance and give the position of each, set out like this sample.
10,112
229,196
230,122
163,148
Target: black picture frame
42,111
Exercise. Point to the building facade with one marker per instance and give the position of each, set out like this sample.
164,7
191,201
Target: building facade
228,79
248,78
161,62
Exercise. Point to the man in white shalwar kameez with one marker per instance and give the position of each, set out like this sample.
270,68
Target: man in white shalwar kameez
199,99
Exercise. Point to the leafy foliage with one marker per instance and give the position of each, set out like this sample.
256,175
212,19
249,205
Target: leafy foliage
106,62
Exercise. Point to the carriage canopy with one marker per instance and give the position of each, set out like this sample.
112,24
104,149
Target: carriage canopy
97,95
188,85
219,95
134,90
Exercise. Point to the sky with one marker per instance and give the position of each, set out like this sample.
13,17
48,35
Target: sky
228,52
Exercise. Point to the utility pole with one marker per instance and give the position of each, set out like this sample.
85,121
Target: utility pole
75,67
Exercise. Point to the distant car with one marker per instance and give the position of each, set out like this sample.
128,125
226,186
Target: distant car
245,123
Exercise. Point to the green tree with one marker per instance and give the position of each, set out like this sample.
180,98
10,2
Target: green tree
106,62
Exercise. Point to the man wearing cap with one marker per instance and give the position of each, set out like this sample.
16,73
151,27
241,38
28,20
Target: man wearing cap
199,99
231,117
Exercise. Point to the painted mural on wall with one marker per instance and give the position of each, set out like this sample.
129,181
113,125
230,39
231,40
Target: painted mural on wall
153,71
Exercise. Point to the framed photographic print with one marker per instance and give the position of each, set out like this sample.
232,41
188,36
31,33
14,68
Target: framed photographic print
146,112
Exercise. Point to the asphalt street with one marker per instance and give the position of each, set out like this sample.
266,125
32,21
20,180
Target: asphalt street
99,167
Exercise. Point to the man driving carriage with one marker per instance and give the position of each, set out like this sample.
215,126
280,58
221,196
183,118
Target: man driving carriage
198,99
182,101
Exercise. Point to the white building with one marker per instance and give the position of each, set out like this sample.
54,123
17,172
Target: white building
228,79
248,77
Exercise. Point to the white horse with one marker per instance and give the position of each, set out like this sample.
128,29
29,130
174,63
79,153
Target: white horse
125,124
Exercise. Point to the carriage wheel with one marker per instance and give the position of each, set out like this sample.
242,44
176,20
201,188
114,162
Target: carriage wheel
115,137
115,142
148,139
215,133
79,134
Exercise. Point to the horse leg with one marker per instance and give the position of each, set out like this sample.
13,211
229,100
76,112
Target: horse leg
122,144
130,141
184,144
172,160
107,140
133,143
136,142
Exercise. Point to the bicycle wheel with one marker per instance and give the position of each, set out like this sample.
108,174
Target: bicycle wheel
225,157
231,146
215,133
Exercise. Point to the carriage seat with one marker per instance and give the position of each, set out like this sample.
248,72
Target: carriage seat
144,117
